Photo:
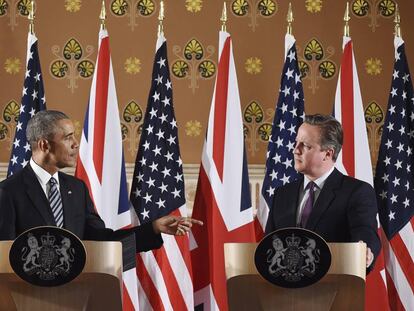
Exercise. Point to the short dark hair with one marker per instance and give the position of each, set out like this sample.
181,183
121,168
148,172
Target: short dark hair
43,125
331,132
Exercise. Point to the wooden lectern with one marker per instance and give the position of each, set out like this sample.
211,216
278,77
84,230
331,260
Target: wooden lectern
98,287
342,288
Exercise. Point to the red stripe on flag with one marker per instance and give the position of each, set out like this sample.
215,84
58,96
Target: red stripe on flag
174,292
404,259
394,298
208,257
347,107
127,304
148,286
81,173
101,102
220,108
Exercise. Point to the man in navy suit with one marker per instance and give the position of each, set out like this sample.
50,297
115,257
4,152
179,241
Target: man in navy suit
24,201
337,207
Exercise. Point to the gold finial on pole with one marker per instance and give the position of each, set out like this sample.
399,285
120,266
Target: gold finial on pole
397,20
346,20
289,19
31,17
161,19
223,18
102,16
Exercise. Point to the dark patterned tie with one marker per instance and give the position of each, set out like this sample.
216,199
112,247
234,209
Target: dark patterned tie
307,209
55,201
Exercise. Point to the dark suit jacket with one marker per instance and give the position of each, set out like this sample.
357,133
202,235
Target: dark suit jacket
24,205
345,210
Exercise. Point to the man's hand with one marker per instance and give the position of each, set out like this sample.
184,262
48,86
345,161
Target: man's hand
174,225
369,256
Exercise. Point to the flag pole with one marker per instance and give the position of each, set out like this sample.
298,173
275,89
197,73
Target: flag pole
289,19
31,18
346,20
102,16
161,17
397,20
223,18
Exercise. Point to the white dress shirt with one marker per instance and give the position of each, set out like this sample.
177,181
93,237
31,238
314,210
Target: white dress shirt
43,177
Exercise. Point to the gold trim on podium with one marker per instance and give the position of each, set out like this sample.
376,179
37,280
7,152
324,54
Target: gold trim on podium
98,287
342,288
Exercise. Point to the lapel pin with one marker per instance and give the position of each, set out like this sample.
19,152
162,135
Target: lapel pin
69,192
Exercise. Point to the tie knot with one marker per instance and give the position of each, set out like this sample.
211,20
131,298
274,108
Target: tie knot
310,186
52,181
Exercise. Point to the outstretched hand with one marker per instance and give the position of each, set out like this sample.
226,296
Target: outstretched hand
174,225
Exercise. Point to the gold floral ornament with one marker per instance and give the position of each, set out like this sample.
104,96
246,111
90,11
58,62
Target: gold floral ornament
8,125
373,9
73,5
254,9
317,63
72,64
193,128
253,65
193,63
374,118
193,6
257,129
15,9
133,9
3,7
12,65
132,65
313,6
131,126
373,66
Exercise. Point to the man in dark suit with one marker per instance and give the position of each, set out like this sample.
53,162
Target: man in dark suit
337,207
40,195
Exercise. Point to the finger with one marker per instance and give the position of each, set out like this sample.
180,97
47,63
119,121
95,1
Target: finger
196,221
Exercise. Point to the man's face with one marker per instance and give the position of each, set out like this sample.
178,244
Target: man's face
310,159
63,147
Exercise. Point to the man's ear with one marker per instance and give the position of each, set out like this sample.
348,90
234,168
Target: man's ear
43,145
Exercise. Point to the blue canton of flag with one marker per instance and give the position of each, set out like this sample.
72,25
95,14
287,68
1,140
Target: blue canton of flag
289,116
158,185
394,172
33,100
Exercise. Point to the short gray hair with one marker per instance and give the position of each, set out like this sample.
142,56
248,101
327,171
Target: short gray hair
331,132
43,125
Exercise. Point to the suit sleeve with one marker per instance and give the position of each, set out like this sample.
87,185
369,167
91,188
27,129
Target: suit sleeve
362,217
7,216
145,237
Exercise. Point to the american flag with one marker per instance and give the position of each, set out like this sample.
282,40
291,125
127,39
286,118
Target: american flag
394,181
289,115
157,190
33,100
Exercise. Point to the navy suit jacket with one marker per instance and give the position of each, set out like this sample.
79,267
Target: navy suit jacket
345,210
24,205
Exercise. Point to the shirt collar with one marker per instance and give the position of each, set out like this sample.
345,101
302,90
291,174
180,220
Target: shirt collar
319,181
42,175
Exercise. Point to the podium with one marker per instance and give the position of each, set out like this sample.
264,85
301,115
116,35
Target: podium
342,288
98,287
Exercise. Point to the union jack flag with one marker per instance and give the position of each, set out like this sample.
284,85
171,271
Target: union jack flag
33,100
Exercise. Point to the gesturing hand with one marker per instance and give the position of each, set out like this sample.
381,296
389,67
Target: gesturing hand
174,225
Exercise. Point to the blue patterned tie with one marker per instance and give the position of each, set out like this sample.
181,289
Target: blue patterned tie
307,209
55,201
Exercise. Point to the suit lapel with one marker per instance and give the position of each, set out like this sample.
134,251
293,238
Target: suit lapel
66,193
291,204
37,196
325,199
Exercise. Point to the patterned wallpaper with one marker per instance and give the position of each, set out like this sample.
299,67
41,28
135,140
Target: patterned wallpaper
68,35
